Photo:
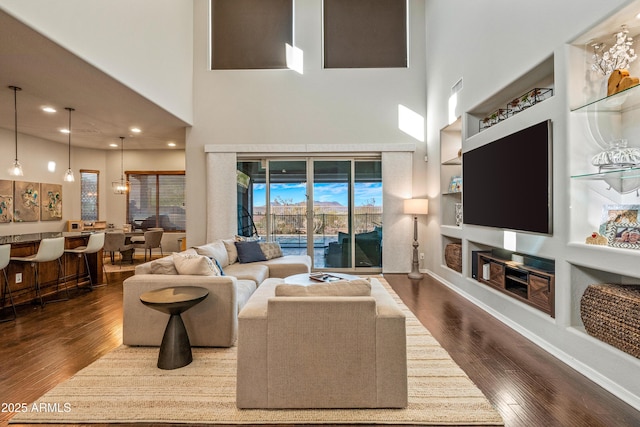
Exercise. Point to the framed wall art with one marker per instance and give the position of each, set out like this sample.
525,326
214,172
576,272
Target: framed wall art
26,199
6,200
51,203
623,235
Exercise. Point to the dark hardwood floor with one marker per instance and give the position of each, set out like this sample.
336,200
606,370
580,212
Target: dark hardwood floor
43,347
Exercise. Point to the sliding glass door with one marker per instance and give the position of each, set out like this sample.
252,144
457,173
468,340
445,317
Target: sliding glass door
330,209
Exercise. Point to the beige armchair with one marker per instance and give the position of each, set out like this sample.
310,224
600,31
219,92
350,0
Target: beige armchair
321,352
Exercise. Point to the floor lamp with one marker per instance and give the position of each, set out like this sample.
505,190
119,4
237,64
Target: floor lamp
416,207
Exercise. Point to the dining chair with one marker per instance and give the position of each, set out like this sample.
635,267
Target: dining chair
5,257
94,245
152,239
115,242
49,250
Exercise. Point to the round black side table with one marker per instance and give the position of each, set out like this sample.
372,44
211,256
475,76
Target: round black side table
175,350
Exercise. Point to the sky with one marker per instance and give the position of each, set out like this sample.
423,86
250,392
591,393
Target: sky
329,192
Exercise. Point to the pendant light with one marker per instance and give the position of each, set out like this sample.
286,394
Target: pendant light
16,168
122,186
68,175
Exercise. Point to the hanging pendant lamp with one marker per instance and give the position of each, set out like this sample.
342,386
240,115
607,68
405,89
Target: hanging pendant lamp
122,186
16,168
68,175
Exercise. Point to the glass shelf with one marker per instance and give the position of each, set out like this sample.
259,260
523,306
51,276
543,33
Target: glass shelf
451,192
627,173
454,161
621,101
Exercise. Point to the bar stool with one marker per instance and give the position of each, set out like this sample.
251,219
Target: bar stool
49,250
5,257
95,244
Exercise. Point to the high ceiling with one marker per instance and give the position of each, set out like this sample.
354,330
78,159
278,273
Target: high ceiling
49,75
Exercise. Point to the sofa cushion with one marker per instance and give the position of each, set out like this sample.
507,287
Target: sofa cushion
271,249
249,252
257,272
245,288
217,250
342,288
288,265
163,266
197,265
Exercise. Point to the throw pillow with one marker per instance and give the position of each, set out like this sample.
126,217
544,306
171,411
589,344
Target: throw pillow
249,252
219,266
271,249
197,265
215,250
232,252
342,288
247,239
163,266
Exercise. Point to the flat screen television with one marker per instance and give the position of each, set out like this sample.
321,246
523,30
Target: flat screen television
507,183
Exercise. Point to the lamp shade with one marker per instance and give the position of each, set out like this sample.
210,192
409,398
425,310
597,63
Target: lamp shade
416,206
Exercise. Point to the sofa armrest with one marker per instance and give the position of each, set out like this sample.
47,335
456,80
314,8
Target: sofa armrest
211,323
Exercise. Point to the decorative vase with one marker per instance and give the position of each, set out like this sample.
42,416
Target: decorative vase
458,214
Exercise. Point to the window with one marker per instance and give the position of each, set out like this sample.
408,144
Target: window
330,209
89,195
156,199
365,33
250,34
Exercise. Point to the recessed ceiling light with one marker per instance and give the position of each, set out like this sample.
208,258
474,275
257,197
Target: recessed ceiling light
171,144
64,130
113,145
135,130
48,109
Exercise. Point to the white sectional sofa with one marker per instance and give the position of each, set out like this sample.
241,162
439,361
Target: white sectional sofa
213,322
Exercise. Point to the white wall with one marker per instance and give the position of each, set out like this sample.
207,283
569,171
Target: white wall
34,155
279,107
145,44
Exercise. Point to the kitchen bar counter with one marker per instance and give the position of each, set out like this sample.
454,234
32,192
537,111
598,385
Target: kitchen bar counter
27,244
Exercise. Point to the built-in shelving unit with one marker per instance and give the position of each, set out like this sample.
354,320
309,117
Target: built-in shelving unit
541,76
595,120
544,303
528,284
619,102
450,167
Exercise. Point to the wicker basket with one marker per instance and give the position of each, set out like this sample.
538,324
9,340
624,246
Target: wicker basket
453,256
611,313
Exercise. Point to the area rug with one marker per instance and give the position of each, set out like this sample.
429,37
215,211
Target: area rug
125,386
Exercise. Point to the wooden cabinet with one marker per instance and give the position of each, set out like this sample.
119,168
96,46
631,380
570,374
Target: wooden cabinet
527,284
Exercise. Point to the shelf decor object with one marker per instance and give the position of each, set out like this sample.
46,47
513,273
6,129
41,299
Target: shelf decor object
618,156
596,239
453,256
416,207
458,209
455,186
516,105
619,56
623,235
609,313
